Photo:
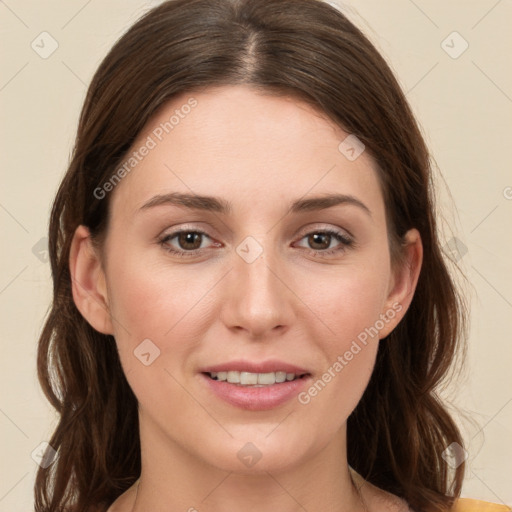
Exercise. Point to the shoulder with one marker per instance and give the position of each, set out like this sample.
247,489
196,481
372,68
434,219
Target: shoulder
383,501
469,505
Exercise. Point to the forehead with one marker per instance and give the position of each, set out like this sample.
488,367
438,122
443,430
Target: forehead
240,144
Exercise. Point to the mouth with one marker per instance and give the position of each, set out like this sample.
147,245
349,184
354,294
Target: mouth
255,386
255,380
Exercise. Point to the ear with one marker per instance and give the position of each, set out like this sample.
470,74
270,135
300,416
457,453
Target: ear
88,282
402,283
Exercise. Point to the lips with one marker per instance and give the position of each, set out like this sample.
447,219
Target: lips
255,397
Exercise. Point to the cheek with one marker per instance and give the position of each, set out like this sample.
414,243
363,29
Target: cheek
347,303
157,312
349,357
332,396
346,326
148,302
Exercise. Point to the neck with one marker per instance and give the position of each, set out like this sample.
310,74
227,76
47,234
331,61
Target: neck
173,479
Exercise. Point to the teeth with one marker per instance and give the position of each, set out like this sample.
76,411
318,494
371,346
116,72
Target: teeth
253,379
247,378
267,378
233,377
281,376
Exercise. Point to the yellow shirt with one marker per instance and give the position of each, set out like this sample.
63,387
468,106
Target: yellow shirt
468,505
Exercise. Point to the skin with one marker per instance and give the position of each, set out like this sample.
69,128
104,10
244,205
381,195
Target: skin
292,303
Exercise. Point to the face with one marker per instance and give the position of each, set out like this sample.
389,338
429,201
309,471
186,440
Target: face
258,276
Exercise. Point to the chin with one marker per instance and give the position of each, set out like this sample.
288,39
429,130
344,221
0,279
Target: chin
253,452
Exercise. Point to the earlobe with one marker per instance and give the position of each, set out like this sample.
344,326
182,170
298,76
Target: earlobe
403,282
88,282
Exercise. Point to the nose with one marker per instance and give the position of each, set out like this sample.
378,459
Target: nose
259,298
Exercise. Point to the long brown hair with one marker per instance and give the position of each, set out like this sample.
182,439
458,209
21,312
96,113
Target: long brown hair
302,48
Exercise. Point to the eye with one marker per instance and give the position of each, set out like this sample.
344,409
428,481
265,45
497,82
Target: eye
189,242
320,242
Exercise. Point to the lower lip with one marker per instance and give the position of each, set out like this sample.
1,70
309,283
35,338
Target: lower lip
256,398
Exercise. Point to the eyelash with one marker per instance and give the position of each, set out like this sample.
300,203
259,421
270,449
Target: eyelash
345,243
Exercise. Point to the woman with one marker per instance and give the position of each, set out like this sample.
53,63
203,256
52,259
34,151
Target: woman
251,309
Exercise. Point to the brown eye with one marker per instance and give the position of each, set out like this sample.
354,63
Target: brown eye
188,240
319,240
184,242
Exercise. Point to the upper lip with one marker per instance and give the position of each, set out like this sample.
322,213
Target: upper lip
240,365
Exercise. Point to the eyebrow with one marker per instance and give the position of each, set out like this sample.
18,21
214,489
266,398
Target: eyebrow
219,205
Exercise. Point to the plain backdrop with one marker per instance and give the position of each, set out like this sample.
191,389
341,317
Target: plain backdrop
453,61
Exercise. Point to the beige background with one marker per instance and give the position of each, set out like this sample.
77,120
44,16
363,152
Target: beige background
464,105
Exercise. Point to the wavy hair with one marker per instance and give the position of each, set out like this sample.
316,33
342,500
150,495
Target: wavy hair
307,49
